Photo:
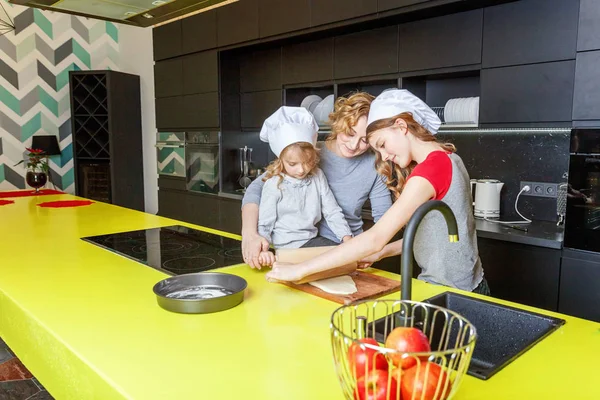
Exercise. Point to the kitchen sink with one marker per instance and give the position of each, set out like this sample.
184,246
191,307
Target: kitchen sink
504,333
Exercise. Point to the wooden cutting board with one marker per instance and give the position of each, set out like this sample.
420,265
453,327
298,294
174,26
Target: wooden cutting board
369,286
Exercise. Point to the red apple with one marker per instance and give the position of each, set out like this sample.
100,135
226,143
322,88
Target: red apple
363,360
422,382
374,386
406,340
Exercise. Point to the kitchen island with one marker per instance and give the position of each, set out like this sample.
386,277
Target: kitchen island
85,322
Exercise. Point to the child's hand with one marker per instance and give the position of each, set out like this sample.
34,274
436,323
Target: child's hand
266,258
346,238
283,272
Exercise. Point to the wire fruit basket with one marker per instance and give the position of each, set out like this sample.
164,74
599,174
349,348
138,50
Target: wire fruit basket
368,370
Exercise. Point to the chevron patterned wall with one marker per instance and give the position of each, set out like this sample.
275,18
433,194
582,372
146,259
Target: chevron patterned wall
35,61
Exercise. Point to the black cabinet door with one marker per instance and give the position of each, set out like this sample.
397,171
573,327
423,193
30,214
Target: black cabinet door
447,41
173,204
282,16
384,5
588,37
366,53
237,22
524,274
199,32
203,210
308,62
200,110
201,73
326,11
257,106
527,93
167,40
230,214
579,285
261,70
169,112
586,97
530,31
167,78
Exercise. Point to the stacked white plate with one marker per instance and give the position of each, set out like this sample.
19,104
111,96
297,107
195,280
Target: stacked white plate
462,110
320,108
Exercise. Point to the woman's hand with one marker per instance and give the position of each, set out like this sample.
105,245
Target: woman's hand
283,272
252,246
368,261
346,238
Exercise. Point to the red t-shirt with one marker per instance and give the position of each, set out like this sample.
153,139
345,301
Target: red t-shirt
437,169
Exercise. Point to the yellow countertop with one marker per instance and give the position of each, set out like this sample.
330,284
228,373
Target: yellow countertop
85,321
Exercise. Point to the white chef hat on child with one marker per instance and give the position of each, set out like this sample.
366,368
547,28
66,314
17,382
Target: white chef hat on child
289,125
396,101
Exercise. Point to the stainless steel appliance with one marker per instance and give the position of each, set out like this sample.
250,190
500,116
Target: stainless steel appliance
582,220
170,153
202,161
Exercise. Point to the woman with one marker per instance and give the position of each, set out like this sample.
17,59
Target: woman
349,169
418,169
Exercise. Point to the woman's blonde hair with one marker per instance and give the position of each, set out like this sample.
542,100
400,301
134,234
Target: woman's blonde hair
346,113
396,176
310,160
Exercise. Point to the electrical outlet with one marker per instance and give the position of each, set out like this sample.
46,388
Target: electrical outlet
540,189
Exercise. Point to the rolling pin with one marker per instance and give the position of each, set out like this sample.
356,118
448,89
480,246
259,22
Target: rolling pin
296,256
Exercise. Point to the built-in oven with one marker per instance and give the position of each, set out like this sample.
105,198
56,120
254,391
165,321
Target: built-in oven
582,220
170,153
202,161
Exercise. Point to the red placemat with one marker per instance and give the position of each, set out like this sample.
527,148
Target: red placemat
25,193
5,202
66,203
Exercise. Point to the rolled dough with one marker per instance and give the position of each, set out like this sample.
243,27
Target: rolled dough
343,285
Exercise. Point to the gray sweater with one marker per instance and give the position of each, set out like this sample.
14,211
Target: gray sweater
289,212
352,182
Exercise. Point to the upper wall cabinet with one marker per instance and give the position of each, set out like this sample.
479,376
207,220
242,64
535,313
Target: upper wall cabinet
167,40
531,31
326,11
384,5
167,78
256,107
283,16
308,62
237,22
366,53
199,32
201,72
527,93
447,41
589,28
261,70
586,101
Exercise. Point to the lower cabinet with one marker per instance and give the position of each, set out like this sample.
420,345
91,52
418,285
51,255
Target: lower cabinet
230,216
580,284
521,273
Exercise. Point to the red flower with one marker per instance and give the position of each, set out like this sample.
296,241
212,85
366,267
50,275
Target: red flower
34,151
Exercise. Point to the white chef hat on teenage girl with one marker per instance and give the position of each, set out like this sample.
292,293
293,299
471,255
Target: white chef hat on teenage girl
396,101
289,125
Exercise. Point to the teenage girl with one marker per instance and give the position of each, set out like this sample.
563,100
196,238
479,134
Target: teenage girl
401,129
296,194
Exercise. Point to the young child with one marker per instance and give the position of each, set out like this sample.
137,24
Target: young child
296,193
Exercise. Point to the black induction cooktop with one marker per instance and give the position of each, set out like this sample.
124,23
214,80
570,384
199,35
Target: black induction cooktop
174,250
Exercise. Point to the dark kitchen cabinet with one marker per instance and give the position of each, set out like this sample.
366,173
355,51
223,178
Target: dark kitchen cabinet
521,273
200,111
307,62
230,216
257,106
527,93
167,40
199,32
448,41
168,112
384,5
579,284
282,16
366,53
167,78
261,70
237,22
326,11
586,97
201,72
173,204
531,31
588,37
203,210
